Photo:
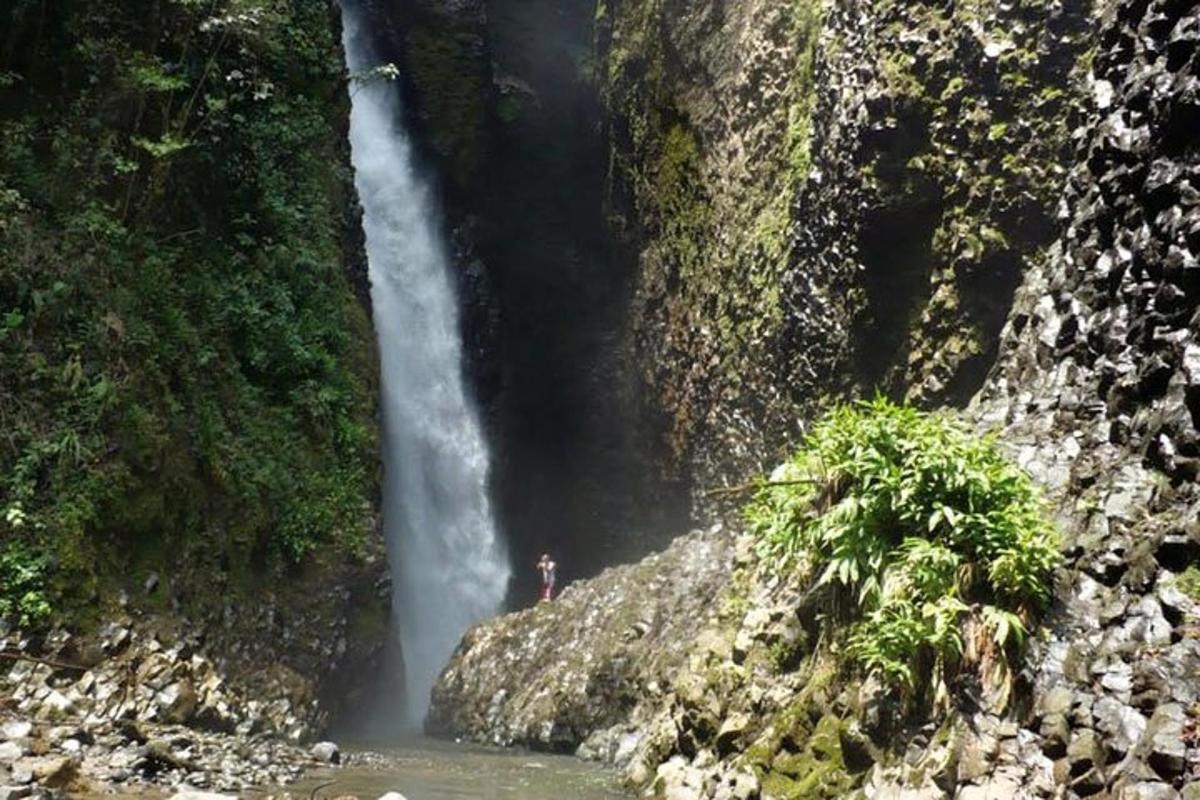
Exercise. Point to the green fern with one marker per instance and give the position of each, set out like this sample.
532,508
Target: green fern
922,522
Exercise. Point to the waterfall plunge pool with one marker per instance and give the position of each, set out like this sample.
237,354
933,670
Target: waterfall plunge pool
421,768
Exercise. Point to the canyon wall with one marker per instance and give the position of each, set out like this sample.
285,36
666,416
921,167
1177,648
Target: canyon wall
187,366
1041,224
827,199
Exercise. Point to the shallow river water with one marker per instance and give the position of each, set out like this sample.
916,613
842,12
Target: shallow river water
428,769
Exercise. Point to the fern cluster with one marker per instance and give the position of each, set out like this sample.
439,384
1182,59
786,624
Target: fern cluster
925,523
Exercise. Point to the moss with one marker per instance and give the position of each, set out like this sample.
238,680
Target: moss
714,247
448,72
989,143
1188,582
817,771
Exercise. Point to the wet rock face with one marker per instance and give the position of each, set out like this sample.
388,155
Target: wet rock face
844,195
553,675
500,99
1092,393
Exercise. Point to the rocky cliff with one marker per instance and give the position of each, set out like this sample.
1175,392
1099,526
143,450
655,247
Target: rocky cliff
843,195
187,369
1091,389
502,97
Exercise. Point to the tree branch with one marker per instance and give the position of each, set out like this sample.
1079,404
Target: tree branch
755,485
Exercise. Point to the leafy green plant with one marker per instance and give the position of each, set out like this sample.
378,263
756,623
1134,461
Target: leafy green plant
22,573
187,373
926,525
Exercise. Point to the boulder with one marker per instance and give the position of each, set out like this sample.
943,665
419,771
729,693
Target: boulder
55,705
10,752
1121,725
731,733
194,794
1084,752
177,702
326,753
16,729
55,772
1165,749
1148,791
392,796
678,780
738,786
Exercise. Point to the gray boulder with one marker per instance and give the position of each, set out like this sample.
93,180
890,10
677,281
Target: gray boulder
10,752
326,753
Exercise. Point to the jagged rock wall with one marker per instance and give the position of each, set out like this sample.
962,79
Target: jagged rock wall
1094,392
843,195
500,98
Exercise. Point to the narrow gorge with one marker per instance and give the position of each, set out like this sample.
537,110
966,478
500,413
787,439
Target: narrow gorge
844,355
448,565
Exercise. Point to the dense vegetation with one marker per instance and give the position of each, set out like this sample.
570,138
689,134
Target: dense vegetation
927,527
185,370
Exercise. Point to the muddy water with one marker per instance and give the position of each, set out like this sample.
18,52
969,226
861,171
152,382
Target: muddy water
426,769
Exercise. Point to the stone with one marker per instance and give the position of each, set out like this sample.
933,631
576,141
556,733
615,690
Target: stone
55,772
16,729
193,794
177,702
1121,725
999,787
392,796
10,752
326,752
627,746
55,705
677,780
15,792
1166,751
1084,752
1148,791
1057,701
977,755
731,733
739,786
1055,732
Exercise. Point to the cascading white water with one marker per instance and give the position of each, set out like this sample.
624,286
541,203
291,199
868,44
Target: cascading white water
448,565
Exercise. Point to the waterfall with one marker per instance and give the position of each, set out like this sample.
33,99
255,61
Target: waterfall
449,568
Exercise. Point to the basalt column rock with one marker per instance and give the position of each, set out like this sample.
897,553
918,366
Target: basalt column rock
827,198
1095,391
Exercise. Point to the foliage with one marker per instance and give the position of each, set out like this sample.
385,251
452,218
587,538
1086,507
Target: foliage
925,524
22,573
185,371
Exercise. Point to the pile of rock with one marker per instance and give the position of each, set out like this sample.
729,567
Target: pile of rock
122,673
124,708
41,758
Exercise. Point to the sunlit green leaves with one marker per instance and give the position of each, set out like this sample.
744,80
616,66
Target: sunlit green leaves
164,147
924,523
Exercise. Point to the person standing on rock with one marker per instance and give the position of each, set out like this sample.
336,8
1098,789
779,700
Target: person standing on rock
548,569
